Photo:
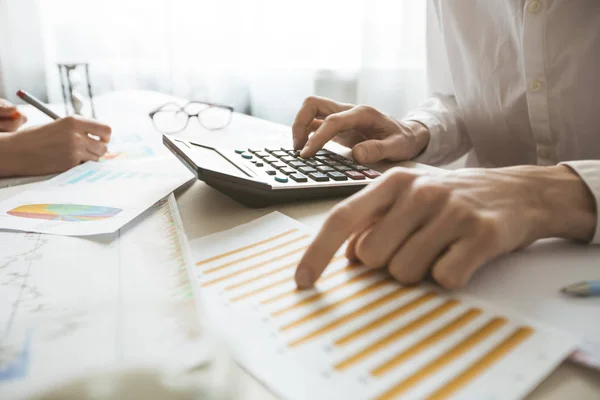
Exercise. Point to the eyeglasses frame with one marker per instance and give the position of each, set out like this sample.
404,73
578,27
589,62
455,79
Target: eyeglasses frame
190,116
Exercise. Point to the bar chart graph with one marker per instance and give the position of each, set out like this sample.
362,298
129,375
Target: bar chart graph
359,327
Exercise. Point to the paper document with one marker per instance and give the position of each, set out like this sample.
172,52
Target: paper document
360,334
70,306
93,198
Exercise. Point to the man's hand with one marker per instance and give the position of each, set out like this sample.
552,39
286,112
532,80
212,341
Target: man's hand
52,148
373,136
451,222
10,118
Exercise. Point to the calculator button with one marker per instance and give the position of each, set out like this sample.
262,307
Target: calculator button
279,153
259,164
357,176
253,161
247,156
297,164
343,168
322,158
270,159
299,177
278,165
255,150
324,152
288,159
371,174
337,176
261,154
319,177
239,151
347,162
313,163
307,170
281,179
287,170
293,153
271,172
360,168
332,163
337,157
325,168
272,149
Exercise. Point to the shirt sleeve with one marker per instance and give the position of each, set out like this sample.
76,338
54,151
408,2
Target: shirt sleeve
440,113
589,172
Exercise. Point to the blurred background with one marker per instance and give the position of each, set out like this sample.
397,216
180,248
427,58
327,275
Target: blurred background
262,57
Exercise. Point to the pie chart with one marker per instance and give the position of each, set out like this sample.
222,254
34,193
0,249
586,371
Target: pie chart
64,212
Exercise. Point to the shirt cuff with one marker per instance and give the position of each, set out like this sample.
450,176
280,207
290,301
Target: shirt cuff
432,154
589,172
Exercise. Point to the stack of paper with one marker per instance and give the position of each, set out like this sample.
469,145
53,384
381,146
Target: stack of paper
359,334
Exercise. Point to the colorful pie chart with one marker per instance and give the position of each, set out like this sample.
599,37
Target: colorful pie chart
64,212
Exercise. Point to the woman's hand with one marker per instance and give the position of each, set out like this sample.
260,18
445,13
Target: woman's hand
52,148
451,222
373,136
10,118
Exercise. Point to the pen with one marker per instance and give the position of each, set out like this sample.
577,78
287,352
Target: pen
28,98
583,289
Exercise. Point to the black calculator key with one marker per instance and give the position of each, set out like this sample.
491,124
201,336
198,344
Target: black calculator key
307,170
287,170
297,164
294,153
259,164
319,177
324,152
279,153
270,159
332,163
253,161
299,177
288,159
337,176
360,168
278,165
313,163
271,172
343,168
272,149
337,157
262,154
322,158
325,168
255,150
347,162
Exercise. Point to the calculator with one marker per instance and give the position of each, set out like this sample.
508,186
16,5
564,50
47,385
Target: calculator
258,177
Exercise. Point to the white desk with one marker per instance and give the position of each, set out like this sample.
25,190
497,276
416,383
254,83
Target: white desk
205,211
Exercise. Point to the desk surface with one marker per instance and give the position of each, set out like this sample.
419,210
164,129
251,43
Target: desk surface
205,211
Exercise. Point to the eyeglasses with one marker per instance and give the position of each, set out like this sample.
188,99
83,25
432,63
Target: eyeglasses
173,118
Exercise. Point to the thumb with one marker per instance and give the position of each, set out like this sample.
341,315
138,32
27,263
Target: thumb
392,148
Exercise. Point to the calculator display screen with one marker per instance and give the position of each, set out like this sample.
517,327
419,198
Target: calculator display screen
210,159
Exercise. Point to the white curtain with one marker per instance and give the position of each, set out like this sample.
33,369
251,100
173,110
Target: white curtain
261,56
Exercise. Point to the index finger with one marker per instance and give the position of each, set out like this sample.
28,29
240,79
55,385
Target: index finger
95,128
352,215
313,107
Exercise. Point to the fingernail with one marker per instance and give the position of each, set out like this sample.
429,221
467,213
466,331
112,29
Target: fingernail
15,115
305,151
303,278
360,154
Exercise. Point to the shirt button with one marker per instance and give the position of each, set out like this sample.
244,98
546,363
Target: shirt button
535,86
534,6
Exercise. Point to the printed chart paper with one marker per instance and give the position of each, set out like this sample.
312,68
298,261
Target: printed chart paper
359,334
93,198
70,306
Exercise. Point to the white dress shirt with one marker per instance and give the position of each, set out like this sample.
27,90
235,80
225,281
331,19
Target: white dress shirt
517,82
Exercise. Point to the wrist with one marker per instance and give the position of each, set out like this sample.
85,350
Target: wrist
420,135
570,207
11,157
